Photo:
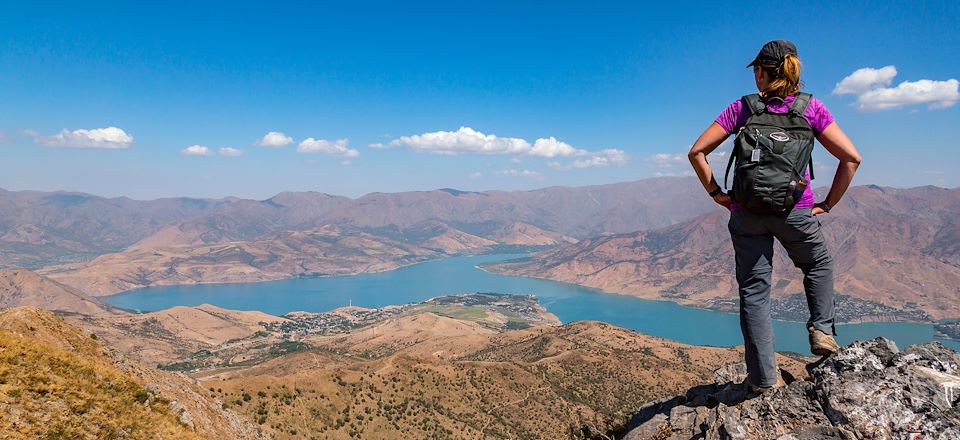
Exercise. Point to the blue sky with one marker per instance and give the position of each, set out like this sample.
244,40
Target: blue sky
614,91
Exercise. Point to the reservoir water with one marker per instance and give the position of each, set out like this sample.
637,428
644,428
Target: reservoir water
460,275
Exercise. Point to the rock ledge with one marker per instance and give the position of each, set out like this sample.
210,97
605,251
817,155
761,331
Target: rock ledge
869,390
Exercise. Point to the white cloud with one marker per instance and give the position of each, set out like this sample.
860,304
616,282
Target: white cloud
274,139
606,157
862,80
469,141
230,152
111,138
476,175
336,148
598,159
520,173
870,86
379,145
666,160
463,141
196,150
551,147
936,94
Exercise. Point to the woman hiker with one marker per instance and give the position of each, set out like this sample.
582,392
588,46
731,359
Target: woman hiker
771,197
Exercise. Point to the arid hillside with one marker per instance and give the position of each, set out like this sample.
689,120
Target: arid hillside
322,251
57,381
546,382
895,254
21,287
476,365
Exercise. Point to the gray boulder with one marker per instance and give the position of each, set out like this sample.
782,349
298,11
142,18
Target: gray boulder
869,390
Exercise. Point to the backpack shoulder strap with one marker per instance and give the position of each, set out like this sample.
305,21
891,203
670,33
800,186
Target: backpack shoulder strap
797,110
754,103
800,104
726,175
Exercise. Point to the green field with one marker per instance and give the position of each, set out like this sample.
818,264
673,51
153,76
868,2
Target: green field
456,312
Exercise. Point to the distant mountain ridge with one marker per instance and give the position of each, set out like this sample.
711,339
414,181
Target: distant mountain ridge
897,250
186,241
39,229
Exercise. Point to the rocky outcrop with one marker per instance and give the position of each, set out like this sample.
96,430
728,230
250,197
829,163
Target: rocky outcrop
869,390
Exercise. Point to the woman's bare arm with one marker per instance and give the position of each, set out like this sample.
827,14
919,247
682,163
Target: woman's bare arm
708,141
840,146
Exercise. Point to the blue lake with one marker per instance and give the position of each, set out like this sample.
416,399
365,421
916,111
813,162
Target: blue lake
460,275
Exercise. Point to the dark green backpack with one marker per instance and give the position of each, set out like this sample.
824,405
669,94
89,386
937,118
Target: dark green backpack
771,150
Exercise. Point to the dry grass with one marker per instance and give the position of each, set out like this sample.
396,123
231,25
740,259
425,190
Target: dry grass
575,381
52,393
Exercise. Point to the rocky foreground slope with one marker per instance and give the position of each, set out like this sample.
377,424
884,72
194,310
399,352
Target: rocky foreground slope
870,390
56,381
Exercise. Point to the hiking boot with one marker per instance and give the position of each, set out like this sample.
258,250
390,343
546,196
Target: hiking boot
822,344
757,389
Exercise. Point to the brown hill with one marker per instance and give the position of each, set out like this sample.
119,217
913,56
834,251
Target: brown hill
58,382
41,228
321,251
21,287
528,235
576,212
545,382
168,335
442,238
894,256
246,219
448,368
157,337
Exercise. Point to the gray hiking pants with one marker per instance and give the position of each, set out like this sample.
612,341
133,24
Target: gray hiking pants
799,233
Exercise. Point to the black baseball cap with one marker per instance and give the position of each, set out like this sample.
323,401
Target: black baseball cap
774,52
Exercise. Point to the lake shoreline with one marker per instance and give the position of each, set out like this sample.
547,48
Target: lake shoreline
698,306
455,275
522,250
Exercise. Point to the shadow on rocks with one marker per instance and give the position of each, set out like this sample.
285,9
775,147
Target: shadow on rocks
729,389
870,389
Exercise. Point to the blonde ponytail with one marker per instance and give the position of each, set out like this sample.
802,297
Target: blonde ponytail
786,78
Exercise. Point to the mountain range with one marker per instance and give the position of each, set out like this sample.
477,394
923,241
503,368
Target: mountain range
896,251
104,246
39,229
